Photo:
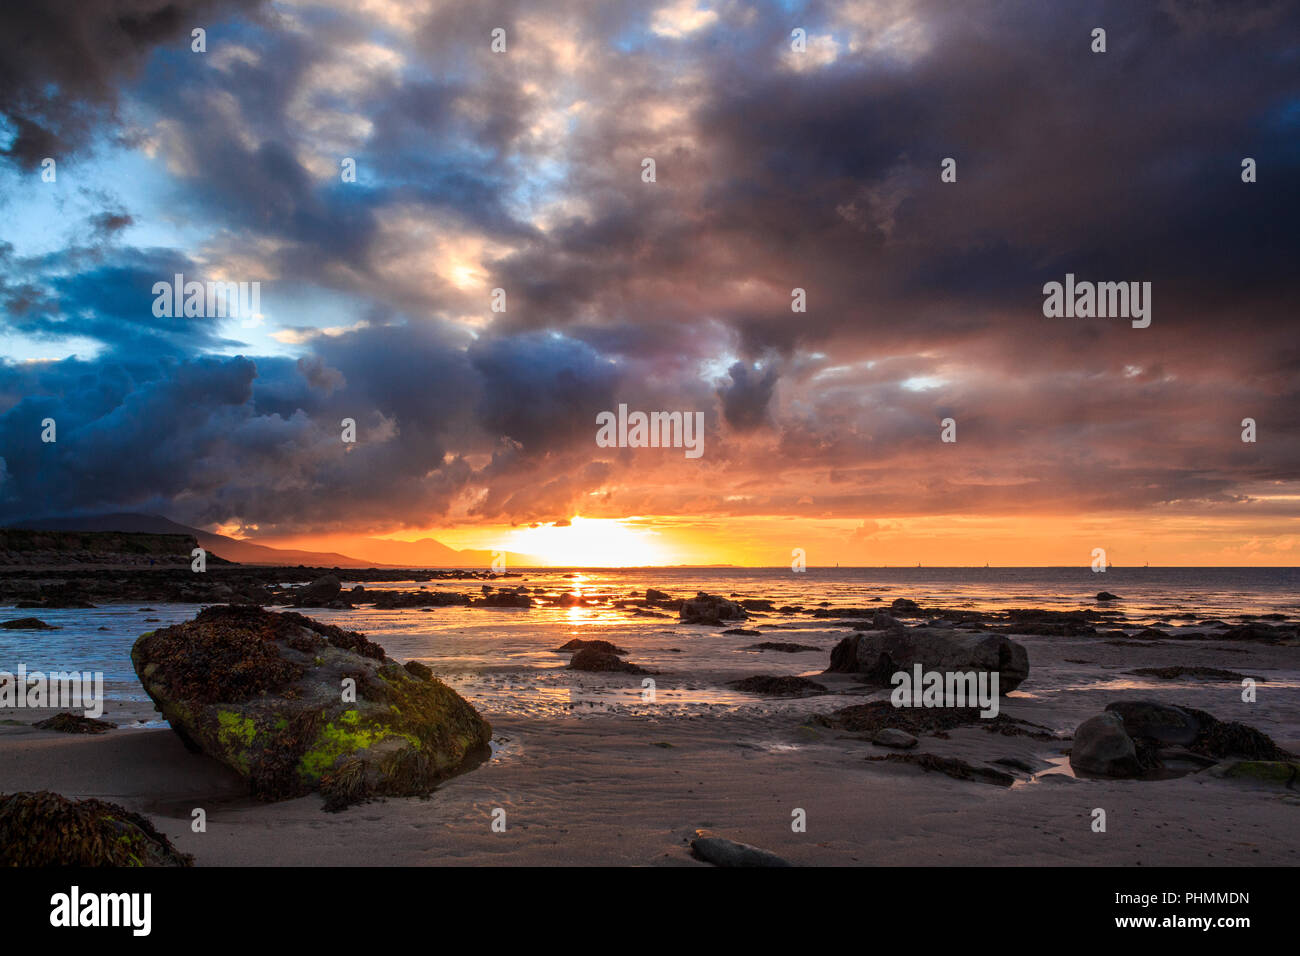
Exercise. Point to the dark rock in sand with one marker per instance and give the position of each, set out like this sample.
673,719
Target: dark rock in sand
504,599
1150,727
782,648
878,656
905,607
1107,596
1103,747
1163,723
324,590
893,737
754,604
1260,632
262,693
654,597
871,718
46,829
957,769
27,624
743,632
70,723
711,609
591,659
720,851
778,686
578,644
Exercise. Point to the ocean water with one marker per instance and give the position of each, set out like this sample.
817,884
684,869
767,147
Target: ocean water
505,660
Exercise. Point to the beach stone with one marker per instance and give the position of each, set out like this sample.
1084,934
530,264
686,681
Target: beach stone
893,737
594,659
778,686
27,624
1163,723
878,656
710,609
1107,596
264,694
905,606
653,596
578,644
719,851
42,828
1103,747
319,593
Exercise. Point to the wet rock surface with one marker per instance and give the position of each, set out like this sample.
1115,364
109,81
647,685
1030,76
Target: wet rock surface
268,695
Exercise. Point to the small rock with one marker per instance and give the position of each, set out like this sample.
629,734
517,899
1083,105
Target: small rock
893,737
720,851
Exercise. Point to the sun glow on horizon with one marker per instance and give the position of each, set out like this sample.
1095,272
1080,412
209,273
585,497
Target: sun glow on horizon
589,542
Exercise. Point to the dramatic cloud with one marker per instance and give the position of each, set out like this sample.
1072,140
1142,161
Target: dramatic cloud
523,171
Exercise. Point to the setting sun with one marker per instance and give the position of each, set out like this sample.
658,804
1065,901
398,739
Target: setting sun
589,542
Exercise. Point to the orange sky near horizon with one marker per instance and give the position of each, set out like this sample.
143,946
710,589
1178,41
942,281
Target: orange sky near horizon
768,541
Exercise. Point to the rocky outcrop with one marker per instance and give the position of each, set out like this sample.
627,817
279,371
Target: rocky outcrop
711,609
294,705
46,829
320,593
879,655
1131,737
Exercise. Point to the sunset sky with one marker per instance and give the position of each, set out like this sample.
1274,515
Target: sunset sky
775,170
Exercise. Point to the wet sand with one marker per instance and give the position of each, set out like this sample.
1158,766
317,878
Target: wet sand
630,788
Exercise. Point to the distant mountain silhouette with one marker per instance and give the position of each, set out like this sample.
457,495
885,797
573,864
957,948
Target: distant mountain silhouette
425,553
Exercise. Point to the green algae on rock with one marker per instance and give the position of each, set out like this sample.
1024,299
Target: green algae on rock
267,695
46,829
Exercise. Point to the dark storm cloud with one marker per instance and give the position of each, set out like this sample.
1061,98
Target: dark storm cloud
924,297
61,62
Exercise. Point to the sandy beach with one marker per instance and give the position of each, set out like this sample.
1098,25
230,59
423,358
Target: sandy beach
589,784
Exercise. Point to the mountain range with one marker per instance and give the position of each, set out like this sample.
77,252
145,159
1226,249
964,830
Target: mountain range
424,553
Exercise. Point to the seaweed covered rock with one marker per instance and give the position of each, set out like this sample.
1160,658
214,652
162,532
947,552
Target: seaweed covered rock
879,655
46,829
1131,736
294,705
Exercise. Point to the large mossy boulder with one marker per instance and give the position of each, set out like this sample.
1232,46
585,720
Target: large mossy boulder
47,829
879,655
294,705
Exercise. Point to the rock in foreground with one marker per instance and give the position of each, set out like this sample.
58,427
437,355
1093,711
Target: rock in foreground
266,694
723,852
46,829
878,656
